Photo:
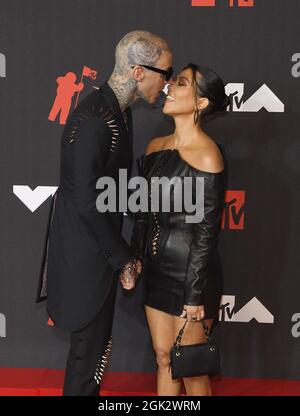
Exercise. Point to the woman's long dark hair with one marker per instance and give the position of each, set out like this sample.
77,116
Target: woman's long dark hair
211,86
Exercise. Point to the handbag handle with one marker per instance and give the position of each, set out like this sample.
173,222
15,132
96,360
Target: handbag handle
204,326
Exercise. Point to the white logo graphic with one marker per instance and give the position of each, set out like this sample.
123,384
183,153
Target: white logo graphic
296,68
2,326
262,98
33,198
296,328
2,66
254,309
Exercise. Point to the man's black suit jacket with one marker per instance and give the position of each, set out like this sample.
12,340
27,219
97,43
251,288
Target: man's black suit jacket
84,247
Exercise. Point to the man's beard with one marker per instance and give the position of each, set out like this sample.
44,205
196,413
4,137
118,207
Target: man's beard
142,96
160,101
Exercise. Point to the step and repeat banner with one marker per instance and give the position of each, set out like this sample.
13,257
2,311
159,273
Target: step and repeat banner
55,52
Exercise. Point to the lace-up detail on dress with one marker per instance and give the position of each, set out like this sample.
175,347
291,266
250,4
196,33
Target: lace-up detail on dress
155,235
156,230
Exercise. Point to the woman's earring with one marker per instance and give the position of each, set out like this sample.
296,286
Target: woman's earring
196,116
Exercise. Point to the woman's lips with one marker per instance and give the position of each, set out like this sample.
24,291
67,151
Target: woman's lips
169,99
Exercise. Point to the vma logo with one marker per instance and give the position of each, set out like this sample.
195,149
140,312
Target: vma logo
33,199
66,88
233,217
2,326
296,66
262,98
231,3
254,309
2,65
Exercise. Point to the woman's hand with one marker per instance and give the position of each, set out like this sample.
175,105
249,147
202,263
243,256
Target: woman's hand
193,313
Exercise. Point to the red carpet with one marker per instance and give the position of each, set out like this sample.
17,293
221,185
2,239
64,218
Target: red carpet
43,382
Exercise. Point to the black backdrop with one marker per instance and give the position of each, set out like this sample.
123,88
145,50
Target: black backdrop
255,47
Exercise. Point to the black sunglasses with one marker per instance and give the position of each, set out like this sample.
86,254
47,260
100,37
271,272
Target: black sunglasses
167,73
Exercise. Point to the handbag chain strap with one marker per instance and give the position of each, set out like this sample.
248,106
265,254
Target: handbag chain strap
204,326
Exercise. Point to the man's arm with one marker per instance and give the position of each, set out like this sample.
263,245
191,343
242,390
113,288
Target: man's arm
89,145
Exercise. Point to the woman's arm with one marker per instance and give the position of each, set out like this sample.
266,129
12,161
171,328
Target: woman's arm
209,165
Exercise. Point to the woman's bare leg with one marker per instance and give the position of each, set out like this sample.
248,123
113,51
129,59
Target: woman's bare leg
162,329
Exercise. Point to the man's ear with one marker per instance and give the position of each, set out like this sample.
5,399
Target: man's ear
138,73
202,103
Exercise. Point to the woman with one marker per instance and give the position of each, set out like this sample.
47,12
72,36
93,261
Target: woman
181,264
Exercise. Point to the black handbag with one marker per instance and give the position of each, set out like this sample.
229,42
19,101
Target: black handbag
196,359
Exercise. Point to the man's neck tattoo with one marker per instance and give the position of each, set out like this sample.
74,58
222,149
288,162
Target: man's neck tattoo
125,90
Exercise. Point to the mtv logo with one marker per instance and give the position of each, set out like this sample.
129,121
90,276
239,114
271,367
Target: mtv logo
2,65
66,88
241,3
212,3
204,3
2,326
33,199
262,98
253,309
233,216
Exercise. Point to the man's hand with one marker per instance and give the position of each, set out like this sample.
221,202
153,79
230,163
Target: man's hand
129,274
139,266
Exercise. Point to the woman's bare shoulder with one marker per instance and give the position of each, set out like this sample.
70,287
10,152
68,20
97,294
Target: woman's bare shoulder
206,157
157,144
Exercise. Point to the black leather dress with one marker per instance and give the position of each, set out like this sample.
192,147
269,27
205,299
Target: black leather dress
181,262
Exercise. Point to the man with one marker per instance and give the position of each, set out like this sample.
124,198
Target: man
84,250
